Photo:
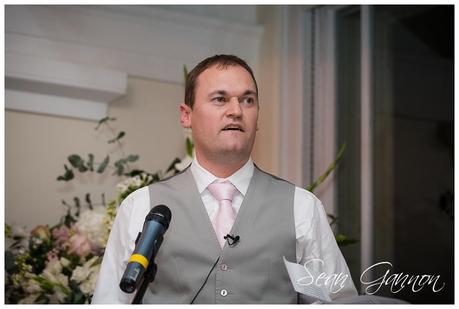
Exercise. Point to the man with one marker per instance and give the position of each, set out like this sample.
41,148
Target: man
224,194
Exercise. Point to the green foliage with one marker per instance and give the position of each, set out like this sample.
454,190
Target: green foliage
185,73
122,163
117,138
77,162
104,121
120,166
343,240
189,147
68,175
103,165
330,168
88,200
76,297
90,163
10,265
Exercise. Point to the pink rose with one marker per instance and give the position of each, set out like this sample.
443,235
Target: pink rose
80,245
61,234
52,255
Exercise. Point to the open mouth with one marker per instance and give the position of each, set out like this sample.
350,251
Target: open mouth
232,128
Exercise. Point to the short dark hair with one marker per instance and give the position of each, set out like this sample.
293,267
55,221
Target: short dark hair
222,61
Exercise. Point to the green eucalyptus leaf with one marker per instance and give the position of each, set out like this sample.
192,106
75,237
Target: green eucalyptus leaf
132,158
119,170
120,136
75,160
77,205
104,120
77,201
120,162
88,200
90,163
103,165
68,175
119,165
69,219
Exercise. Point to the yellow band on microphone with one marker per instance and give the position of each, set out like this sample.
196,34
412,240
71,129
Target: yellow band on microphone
139,259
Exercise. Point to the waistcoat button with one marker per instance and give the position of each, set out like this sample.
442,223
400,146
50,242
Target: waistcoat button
223,293
223,267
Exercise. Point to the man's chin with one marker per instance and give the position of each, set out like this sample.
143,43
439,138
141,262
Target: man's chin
236,154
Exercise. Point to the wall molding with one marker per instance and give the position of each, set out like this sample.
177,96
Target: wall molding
142,41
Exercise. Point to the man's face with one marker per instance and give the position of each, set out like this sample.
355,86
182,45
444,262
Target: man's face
224,115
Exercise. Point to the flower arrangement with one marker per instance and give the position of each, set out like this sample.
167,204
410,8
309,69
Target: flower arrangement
60,264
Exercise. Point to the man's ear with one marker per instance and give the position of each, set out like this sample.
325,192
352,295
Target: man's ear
185,115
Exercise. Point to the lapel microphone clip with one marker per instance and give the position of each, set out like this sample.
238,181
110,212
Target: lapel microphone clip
231,239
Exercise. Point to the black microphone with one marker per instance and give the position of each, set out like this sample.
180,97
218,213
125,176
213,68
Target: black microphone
156,223
234,239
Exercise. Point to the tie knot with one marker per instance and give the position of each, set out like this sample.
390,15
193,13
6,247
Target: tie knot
222,190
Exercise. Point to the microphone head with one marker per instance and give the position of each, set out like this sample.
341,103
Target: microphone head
160,213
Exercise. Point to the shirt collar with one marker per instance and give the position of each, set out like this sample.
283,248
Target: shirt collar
240,179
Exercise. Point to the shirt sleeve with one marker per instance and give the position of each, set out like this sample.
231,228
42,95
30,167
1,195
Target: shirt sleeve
316,247
121,243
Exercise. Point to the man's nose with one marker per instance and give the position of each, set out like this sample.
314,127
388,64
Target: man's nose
234,108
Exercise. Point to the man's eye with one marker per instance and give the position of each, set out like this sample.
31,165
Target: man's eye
248,100
219,99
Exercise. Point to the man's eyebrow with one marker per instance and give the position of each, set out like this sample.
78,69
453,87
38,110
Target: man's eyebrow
223,92
250,92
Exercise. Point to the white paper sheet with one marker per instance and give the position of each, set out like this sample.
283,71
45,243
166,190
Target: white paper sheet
310,290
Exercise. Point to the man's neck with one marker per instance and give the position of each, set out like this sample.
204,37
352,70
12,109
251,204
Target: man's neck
221,169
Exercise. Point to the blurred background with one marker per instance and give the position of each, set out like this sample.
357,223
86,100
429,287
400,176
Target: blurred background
377,78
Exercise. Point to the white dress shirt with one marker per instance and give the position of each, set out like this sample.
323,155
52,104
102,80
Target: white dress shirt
314,238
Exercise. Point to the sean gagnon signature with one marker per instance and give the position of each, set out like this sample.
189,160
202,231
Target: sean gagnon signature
335,282
399,281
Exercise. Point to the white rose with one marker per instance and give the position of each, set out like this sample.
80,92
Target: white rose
53,267
121,187
19,231
91,224
64,262
29,299
57,297
82,273
136,181
32,286
53,273
89,285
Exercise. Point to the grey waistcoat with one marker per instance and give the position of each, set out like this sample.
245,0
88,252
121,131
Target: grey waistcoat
252,271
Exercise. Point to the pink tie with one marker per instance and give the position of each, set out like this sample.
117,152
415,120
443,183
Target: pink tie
224,218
